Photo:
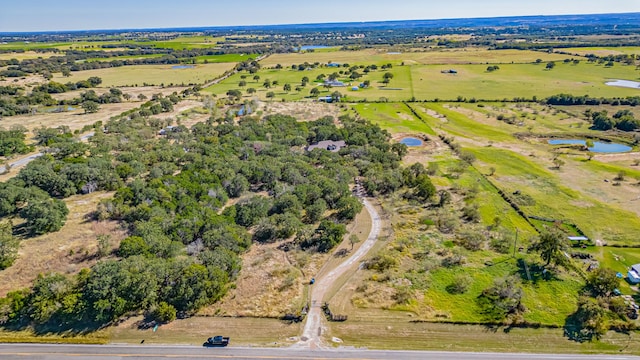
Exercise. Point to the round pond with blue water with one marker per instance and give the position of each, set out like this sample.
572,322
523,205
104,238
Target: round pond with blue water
183,67
598,147
409,141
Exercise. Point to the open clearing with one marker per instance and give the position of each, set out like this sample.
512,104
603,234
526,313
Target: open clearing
193,331
139,75
394,330
427,82
67,251
26,55
437,56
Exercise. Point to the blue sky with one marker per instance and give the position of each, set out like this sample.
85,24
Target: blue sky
49,15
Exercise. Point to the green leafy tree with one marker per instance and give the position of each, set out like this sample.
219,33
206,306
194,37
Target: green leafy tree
424,189
348,207
502,299
551,244
90,107
602,282
588,322
8,245
164,313
45,216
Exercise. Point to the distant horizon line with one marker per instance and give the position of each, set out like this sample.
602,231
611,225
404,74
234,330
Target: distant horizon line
254,26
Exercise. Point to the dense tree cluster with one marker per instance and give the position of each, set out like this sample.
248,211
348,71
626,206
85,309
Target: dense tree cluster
14,101
171,193
12,142
623,120
568,99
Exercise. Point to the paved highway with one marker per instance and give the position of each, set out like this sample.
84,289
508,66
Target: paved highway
110,352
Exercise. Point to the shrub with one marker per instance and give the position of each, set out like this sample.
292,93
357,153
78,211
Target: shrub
460,284
164,313
381,263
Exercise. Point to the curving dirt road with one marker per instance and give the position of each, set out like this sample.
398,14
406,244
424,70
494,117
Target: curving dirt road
311,336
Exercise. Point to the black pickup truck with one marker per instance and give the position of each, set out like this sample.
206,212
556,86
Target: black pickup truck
216,341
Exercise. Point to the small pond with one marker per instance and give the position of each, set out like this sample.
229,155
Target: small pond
183,67
409,141
624,83
312,47
598,147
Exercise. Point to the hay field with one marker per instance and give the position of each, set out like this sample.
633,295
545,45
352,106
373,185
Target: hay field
150,74
438,56
27,55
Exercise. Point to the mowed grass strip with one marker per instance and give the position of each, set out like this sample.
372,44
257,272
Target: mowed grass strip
394,117
458,124
195,330
377,329
149,74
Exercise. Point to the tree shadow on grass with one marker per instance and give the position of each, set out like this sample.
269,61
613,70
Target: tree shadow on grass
534,273
56,328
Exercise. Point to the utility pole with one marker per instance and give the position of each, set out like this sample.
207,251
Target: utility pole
515,244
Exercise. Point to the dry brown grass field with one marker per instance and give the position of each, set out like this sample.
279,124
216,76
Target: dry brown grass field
67,251
138,75
27,55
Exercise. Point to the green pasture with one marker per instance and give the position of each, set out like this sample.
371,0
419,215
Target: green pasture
127,57
458,124
547,302
520,80
150,74
224,58
282,76
617,259
383,56
529,117
427,82
492,205
395,117
555,200
179,43
610,170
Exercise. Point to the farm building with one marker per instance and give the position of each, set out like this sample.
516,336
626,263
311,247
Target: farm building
333,64
333,146
634,274
244,110
334,83
328,99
